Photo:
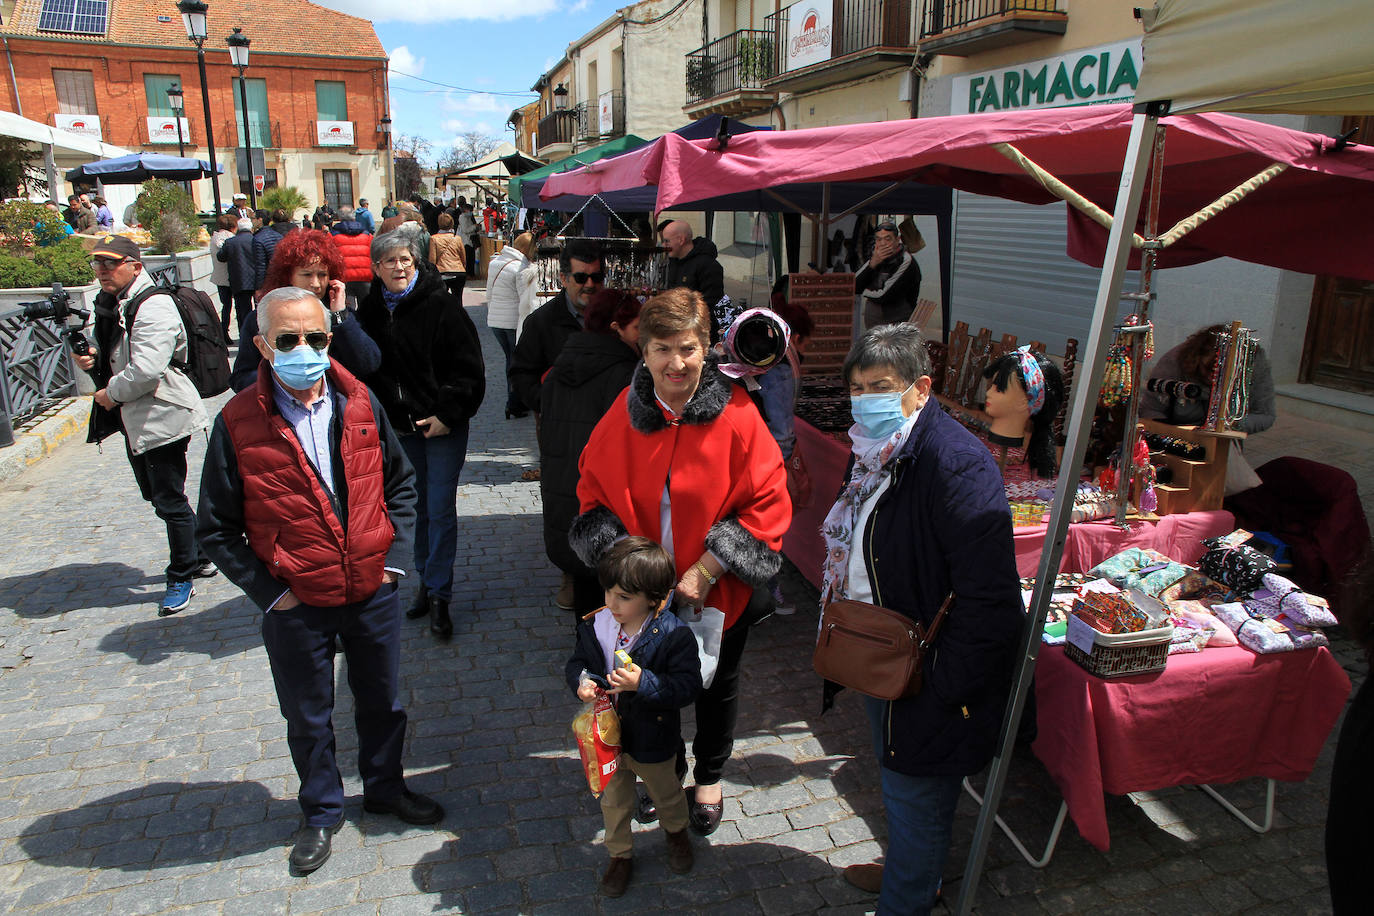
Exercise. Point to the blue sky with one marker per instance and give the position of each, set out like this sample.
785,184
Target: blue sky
486,54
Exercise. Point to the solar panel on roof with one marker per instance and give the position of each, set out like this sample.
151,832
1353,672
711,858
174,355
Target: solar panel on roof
78,17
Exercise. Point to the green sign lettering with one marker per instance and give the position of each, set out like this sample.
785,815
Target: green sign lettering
1033,84
1125,74
974,85
1102,71
989,98
1060,85
1079,89
1011,87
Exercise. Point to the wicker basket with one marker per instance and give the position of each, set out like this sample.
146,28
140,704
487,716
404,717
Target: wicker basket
1121,655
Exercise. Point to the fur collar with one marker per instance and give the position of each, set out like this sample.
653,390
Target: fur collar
707,403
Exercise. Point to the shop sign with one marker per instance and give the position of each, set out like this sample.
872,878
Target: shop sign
334,133
1108,73
808,33
605,108
164,130
87,125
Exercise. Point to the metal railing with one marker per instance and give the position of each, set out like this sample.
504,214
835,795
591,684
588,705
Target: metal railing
560,127
591,123
947,15
266,134
857,26
740,60
37,370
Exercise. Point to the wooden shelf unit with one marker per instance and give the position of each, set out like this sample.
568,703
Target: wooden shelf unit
1198,485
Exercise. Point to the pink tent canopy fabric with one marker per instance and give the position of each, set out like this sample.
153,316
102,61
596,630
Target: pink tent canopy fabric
1312,218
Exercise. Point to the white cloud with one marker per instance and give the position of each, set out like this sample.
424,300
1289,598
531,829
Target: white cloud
403,61
430,12
474,103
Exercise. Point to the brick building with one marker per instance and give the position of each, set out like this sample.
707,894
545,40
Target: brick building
316,86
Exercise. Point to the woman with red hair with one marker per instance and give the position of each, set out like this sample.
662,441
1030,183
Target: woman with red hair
309,259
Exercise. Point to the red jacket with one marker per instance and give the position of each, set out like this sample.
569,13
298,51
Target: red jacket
357,255
290,518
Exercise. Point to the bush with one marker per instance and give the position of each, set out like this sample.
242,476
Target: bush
24,224
158,200
66,263
283,198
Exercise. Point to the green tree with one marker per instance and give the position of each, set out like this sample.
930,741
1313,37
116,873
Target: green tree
17,170
169,214
24,224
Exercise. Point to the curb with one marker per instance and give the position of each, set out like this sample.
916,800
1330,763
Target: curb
34,443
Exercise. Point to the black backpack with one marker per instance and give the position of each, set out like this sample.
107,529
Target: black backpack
207,349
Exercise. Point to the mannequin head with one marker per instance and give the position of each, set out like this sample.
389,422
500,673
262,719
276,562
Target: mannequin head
1024,389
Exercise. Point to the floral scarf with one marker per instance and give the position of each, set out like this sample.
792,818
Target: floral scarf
871,466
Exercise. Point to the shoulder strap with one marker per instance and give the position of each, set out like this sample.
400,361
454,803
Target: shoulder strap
939,618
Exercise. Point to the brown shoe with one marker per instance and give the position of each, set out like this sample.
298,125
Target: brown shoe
564,598
680,856
866,877
617,876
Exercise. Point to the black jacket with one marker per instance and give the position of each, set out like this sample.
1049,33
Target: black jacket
698,271
650,721
545,331
351,346
264,243
942,525
238,254
431,355
586,378
894,285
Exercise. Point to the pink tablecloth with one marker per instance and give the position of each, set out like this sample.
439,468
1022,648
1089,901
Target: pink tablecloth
1087,544
1218,716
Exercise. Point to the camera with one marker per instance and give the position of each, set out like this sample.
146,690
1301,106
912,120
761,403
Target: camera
58,308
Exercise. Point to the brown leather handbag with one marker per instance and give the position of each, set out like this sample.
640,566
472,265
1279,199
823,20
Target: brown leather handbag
873,650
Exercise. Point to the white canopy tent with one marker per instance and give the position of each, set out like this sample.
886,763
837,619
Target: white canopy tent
61,149
1256,56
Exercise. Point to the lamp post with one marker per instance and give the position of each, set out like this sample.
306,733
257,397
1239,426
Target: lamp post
384,128
238,55
177,99
194,15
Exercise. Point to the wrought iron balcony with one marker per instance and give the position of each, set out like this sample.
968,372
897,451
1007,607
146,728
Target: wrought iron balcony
727,75
866,37
964,27
596,126
560,127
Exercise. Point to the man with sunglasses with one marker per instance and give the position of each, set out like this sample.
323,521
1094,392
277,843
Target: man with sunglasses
142,393
548,327
308,504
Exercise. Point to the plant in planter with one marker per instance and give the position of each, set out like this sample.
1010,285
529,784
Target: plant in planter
169,214
65,262
755,59
701,77
24,224
289,199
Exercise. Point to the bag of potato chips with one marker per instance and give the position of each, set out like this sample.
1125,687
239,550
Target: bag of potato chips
597,729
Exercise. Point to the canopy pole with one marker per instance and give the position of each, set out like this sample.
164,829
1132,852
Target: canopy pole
1060,189
788,204
868,200
1144,123
50,166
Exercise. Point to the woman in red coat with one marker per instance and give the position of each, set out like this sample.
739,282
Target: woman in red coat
684,458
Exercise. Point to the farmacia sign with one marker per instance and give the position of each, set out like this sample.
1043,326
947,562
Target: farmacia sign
1108,73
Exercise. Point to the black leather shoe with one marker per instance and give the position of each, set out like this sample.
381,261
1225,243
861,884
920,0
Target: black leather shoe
440,624
646,812
411,807
702,817
312,848
420,607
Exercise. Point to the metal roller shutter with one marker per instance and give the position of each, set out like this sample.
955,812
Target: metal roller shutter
1011,274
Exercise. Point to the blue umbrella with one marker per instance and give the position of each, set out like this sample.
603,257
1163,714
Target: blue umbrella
139,167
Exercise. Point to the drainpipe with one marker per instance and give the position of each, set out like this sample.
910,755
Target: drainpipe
18,105
919,65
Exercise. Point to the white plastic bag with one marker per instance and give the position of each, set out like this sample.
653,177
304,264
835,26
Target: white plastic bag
707,626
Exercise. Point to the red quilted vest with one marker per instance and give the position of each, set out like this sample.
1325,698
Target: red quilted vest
357,256
287,512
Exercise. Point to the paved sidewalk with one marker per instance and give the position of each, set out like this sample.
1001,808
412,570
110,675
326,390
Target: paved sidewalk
144,768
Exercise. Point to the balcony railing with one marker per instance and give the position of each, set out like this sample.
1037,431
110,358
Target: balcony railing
265,134
740,60
560,127
857,25
948,15
592,125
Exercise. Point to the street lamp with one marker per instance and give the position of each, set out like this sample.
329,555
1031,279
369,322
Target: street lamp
384,128
560,98
238,56
193,15
177,99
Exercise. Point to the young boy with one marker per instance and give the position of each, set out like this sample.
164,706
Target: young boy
664,676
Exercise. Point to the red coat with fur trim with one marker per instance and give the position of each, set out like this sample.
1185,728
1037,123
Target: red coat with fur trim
727,485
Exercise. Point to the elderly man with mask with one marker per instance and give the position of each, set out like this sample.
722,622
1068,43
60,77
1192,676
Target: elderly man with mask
308,504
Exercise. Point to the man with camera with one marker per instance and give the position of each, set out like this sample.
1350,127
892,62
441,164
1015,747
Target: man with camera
139,341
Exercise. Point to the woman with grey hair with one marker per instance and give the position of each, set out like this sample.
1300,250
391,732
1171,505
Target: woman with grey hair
431,381
923,514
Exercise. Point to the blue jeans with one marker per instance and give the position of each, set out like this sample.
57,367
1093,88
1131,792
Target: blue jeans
920,821
438,462
506,338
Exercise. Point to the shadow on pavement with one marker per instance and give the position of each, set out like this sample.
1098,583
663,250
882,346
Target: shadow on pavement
74,587
216,632
163,825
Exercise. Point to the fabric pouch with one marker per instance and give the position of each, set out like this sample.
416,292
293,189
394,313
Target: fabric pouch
1278,596
1266,635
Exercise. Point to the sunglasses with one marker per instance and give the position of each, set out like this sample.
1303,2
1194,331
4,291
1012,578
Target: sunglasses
288,341
580,278
106,263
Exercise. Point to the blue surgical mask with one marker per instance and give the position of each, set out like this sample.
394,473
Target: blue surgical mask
300,367
878,415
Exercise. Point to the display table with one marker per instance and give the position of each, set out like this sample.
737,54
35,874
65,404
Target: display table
1087,544
1217,716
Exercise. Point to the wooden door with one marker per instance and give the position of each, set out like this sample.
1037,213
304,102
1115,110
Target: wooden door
1339,350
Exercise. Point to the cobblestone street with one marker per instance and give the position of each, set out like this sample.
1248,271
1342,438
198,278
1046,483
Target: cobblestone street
144,767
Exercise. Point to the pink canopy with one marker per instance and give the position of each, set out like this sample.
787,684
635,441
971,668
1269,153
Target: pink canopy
1312,217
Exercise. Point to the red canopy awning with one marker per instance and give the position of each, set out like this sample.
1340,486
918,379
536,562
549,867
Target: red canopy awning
1312,217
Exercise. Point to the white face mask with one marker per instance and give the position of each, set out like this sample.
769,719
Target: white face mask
878,415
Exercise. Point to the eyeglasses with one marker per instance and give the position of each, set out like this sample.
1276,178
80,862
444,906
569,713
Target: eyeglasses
397,262
581,279
106,263
288,341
